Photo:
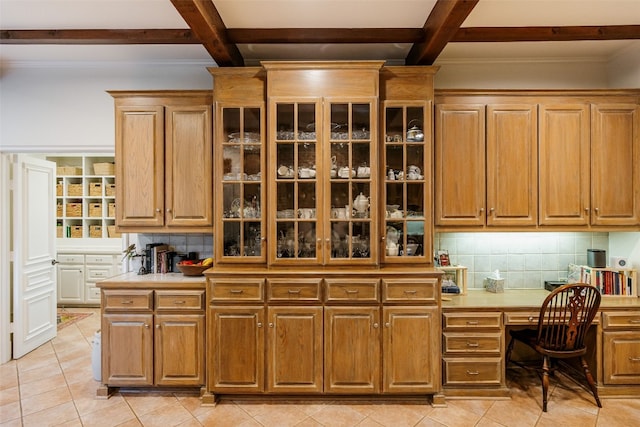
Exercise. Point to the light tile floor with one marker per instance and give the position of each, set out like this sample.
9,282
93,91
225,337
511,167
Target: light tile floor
54,385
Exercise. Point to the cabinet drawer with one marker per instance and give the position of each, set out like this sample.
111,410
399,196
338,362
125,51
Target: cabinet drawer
477,342
179,300
469,321
98,273
408,290
237,290
116,300
622,319
294,290
477,371
364,290
99,259
70,258
521,318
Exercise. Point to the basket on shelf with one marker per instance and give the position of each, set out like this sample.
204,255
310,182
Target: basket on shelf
95,209
75,231
111,210
59,231
59,210
110,190
95,189
68,170
58,190
74,209
95,231
74,190
103,168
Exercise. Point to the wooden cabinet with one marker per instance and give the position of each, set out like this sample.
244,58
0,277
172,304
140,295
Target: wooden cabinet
486,164
152,338
621,348
473,348
164,161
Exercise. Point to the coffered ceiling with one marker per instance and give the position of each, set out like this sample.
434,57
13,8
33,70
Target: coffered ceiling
243,32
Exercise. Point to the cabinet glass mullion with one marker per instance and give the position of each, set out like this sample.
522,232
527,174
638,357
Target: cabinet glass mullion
407,171
240,203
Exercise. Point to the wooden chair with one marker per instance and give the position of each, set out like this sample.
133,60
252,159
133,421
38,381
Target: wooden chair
565,317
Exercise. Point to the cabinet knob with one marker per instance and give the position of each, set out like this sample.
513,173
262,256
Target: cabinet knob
481,210
530,319
270,324
158,326
158,210
168,210
259,324
387,325
596,210
146,326
376,326
586,210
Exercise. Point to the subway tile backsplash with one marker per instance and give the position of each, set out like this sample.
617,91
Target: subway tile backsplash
525,259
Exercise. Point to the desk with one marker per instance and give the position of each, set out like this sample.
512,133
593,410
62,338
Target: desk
475,335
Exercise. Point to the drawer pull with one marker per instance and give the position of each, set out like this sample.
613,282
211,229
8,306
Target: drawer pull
410,292
236,291
472,344
472,372
126,301
351,291
635,321
530,319
179,301
472,322
634,359
294,291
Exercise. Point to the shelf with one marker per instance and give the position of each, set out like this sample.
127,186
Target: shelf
458,274
611,281
85,197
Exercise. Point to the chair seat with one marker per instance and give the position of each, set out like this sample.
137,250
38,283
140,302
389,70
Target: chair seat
530,338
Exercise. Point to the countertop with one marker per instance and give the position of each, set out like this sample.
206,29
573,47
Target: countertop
134,280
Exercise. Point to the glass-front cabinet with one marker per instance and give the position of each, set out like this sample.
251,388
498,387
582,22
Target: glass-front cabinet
407,184
323,157
240,194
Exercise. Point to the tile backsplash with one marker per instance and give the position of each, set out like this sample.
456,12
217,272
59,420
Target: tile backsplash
524,259
181,243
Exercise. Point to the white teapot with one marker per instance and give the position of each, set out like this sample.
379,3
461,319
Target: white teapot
361,203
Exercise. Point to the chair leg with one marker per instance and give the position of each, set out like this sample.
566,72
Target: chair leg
545,382
592,385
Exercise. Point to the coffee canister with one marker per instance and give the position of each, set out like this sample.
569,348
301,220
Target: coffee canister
596,258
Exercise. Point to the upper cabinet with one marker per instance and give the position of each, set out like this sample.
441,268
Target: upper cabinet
537,159
164,161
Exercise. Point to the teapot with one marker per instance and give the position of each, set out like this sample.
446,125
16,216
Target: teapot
415,133
361,203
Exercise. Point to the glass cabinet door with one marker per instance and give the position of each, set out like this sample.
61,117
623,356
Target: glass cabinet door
297,190
351,191
406,233
240,230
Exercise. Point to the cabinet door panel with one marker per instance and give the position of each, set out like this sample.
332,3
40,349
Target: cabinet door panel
127,353
623,367
411,350
188,166
564,164
71,284
615,160
179,350
460,165
236,346
352,350
140,166
512,165
295,349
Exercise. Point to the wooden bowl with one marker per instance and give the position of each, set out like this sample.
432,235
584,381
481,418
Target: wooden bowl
192,270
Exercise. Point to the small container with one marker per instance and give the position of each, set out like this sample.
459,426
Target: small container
494,285
596,258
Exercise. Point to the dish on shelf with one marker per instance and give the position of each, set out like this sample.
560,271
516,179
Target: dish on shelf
192,270
248,137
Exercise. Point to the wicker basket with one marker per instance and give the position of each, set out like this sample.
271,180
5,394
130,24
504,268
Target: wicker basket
95,189
76,231
103,168
95,231
68,170
111,232
74,209
111,210
59,231
74,190
59,190
110,190
95,209
59,210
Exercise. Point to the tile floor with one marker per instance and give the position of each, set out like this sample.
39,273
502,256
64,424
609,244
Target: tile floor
54,385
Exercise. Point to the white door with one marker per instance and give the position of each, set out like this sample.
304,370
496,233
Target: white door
34,273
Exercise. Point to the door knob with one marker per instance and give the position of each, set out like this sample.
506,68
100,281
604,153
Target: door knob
54,262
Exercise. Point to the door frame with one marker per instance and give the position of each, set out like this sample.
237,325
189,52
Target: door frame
5,275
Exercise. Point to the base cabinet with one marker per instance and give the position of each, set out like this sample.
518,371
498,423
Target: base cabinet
621,348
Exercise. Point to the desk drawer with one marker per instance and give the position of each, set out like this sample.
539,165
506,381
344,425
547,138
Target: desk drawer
362,290
179,300
409,290
471,320
479,371
237,290
117,300
287,290
622,319
521,318
477,342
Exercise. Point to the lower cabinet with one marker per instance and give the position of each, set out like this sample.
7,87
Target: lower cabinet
152,338
621,348
78,274
323,335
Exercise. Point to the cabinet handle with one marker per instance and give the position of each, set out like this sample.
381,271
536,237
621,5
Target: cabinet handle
158,210
634,359
387,325
294,291
530,319
472,372
375,325
259,324
586,210
410,292
126,301
178,301
481,210
472,322
596,210
351,291
270,324
236,291
634,321
158,326
491,210
168,210
146,325
472,344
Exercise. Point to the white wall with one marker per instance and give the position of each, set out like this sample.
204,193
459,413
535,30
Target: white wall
65,107
624,69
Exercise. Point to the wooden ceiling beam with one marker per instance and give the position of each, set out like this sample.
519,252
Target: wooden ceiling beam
81,37
205,22
324,35
441,26
547,34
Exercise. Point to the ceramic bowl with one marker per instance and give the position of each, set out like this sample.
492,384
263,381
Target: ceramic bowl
192,270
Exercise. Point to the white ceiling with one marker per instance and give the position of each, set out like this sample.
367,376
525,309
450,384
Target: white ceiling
148,14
